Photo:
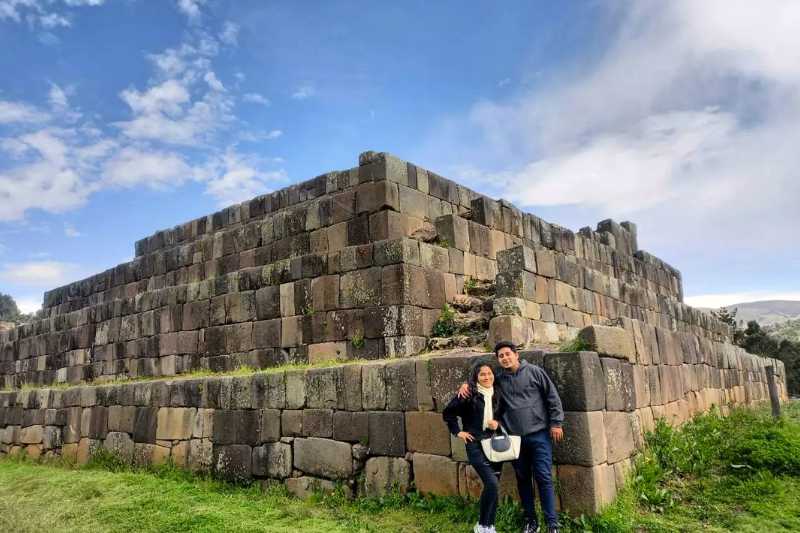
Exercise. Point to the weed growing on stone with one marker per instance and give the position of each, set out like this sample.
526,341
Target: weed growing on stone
470,284
357,340
575,345
445,325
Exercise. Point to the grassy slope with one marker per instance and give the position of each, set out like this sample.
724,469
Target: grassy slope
741,473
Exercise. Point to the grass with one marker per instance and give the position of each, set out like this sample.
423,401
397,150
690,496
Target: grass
576,344
735,473
107,496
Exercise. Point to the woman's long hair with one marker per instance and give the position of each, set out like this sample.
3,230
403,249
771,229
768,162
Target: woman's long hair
475,369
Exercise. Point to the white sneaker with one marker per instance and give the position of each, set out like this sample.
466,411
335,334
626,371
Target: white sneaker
478,529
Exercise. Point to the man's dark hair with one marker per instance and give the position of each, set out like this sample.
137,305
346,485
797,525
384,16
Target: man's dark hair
504,344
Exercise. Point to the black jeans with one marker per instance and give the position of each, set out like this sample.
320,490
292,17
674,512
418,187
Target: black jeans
489,473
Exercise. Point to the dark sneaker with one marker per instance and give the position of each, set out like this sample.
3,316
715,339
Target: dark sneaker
531,527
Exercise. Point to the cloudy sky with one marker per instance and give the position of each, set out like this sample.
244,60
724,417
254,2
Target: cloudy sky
122,117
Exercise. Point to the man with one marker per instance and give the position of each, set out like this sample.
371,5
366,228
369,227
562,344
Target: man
533,411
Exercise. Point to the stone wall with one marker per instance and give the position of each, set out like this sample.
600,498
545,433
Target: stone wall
351,264
377,425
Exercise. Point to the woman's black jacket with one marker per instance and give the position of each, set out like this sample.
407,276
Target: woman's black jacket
470,411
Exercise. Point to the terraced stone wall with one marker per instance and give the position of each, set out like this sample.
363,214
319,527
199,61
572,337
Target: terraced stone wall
376,426
351,264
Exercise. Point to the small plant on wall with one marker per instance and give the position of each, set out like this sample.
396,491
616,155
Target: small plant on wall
445,325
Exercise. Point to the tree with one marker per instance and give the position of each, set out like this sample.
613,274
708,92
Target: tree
9,312
757,340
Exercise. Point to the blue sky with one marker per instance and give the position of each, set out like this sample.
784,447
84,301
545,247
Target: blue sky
119,118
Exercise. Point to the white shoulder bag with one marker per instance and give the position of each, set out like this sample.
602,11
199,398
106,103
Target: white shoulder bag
501,446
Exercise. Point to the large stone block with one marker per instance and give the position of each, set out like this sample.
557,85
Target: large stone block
584,440
270,425
318,423
323,457
516,258
434,474
401,386
619,435
120,444
385,475
273,460
455,230
426,432
351,427
579,379
387,433
322,387
234,462
446,374
236,426
514,329
175,423
586,490
373,385
609,341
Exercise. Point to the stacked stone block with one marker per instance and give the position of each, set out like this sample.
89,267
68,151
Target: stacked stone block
351,264
376,426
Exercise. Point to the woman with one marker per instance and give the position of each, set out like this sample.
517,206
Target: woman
479,413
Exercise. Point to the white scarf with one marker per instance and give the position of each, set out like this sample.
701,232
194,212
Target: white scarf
487,394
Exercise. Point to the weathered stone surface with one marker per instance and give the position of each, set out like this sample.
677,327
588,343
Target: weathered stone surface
145,425
373,385
579,379
323,457
387,433
351,426
619,436
120,444
318,423
270,425
272,460
304,487
200,455
321,387
401,387
175,423
511,328
427,433
609,341
234,462
446,374
435,474
586,489
384,475
584,440
236,427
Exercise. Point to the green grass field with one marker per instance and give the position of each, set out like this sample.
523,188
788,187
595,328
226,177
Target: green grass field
740,473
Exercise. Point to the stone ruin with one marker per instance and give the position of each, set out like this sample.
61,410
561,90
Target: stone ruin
356,267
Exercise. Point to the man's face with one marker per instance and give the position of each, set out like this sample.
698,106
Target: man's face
508,358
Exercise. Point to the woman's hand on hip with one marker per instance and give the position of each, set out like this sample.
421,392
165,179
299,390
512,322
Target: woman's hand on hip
466,437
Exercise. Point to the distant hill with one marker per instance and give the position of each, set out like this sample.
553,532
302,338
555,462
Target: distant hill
766,312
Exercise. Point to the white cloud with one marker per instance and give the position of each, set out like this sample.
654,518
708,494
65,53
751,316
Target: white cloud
57,97
504,82
190,8
11,112
686,123
38,273
213,82
156,169
71,232
230,33
303,92
40,12
256,98
49,179
274,134
715,301
233,178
